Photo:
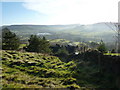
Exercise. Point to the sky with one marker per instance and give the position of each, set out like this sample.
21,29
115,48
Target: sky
53,12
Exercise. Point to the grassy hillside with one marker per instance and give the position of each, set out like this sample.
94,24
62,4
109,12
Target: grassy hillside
32,70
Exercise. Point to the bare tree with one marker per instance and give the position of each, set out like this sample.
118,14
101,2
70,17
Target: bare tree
119,38
116,28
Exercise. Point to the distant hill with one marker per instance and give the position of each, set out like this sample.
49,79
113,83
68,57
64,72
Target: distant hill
75,32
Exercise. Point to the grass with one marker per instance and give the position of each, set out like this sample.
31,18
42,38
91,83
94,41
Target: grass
22,45
33,70
112,54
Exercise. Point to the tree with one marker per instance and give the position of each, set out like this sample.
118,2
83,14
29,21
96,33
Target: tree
55,48
102,48
9,40
45,46
71,49
36,44
116,28
62,54
62,51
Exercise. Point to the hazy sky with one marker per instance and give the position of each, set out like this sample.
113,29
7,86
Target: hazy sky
59,11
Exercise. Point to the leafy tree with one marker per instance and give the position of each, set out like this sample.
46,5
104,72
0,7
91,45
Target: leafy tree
36,44
9,40
62,51
62,54
102,48
55,48
45,46
71,49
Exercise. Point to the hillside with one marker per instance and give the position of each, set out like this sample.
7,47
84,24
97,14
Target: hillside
32,70
75,32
